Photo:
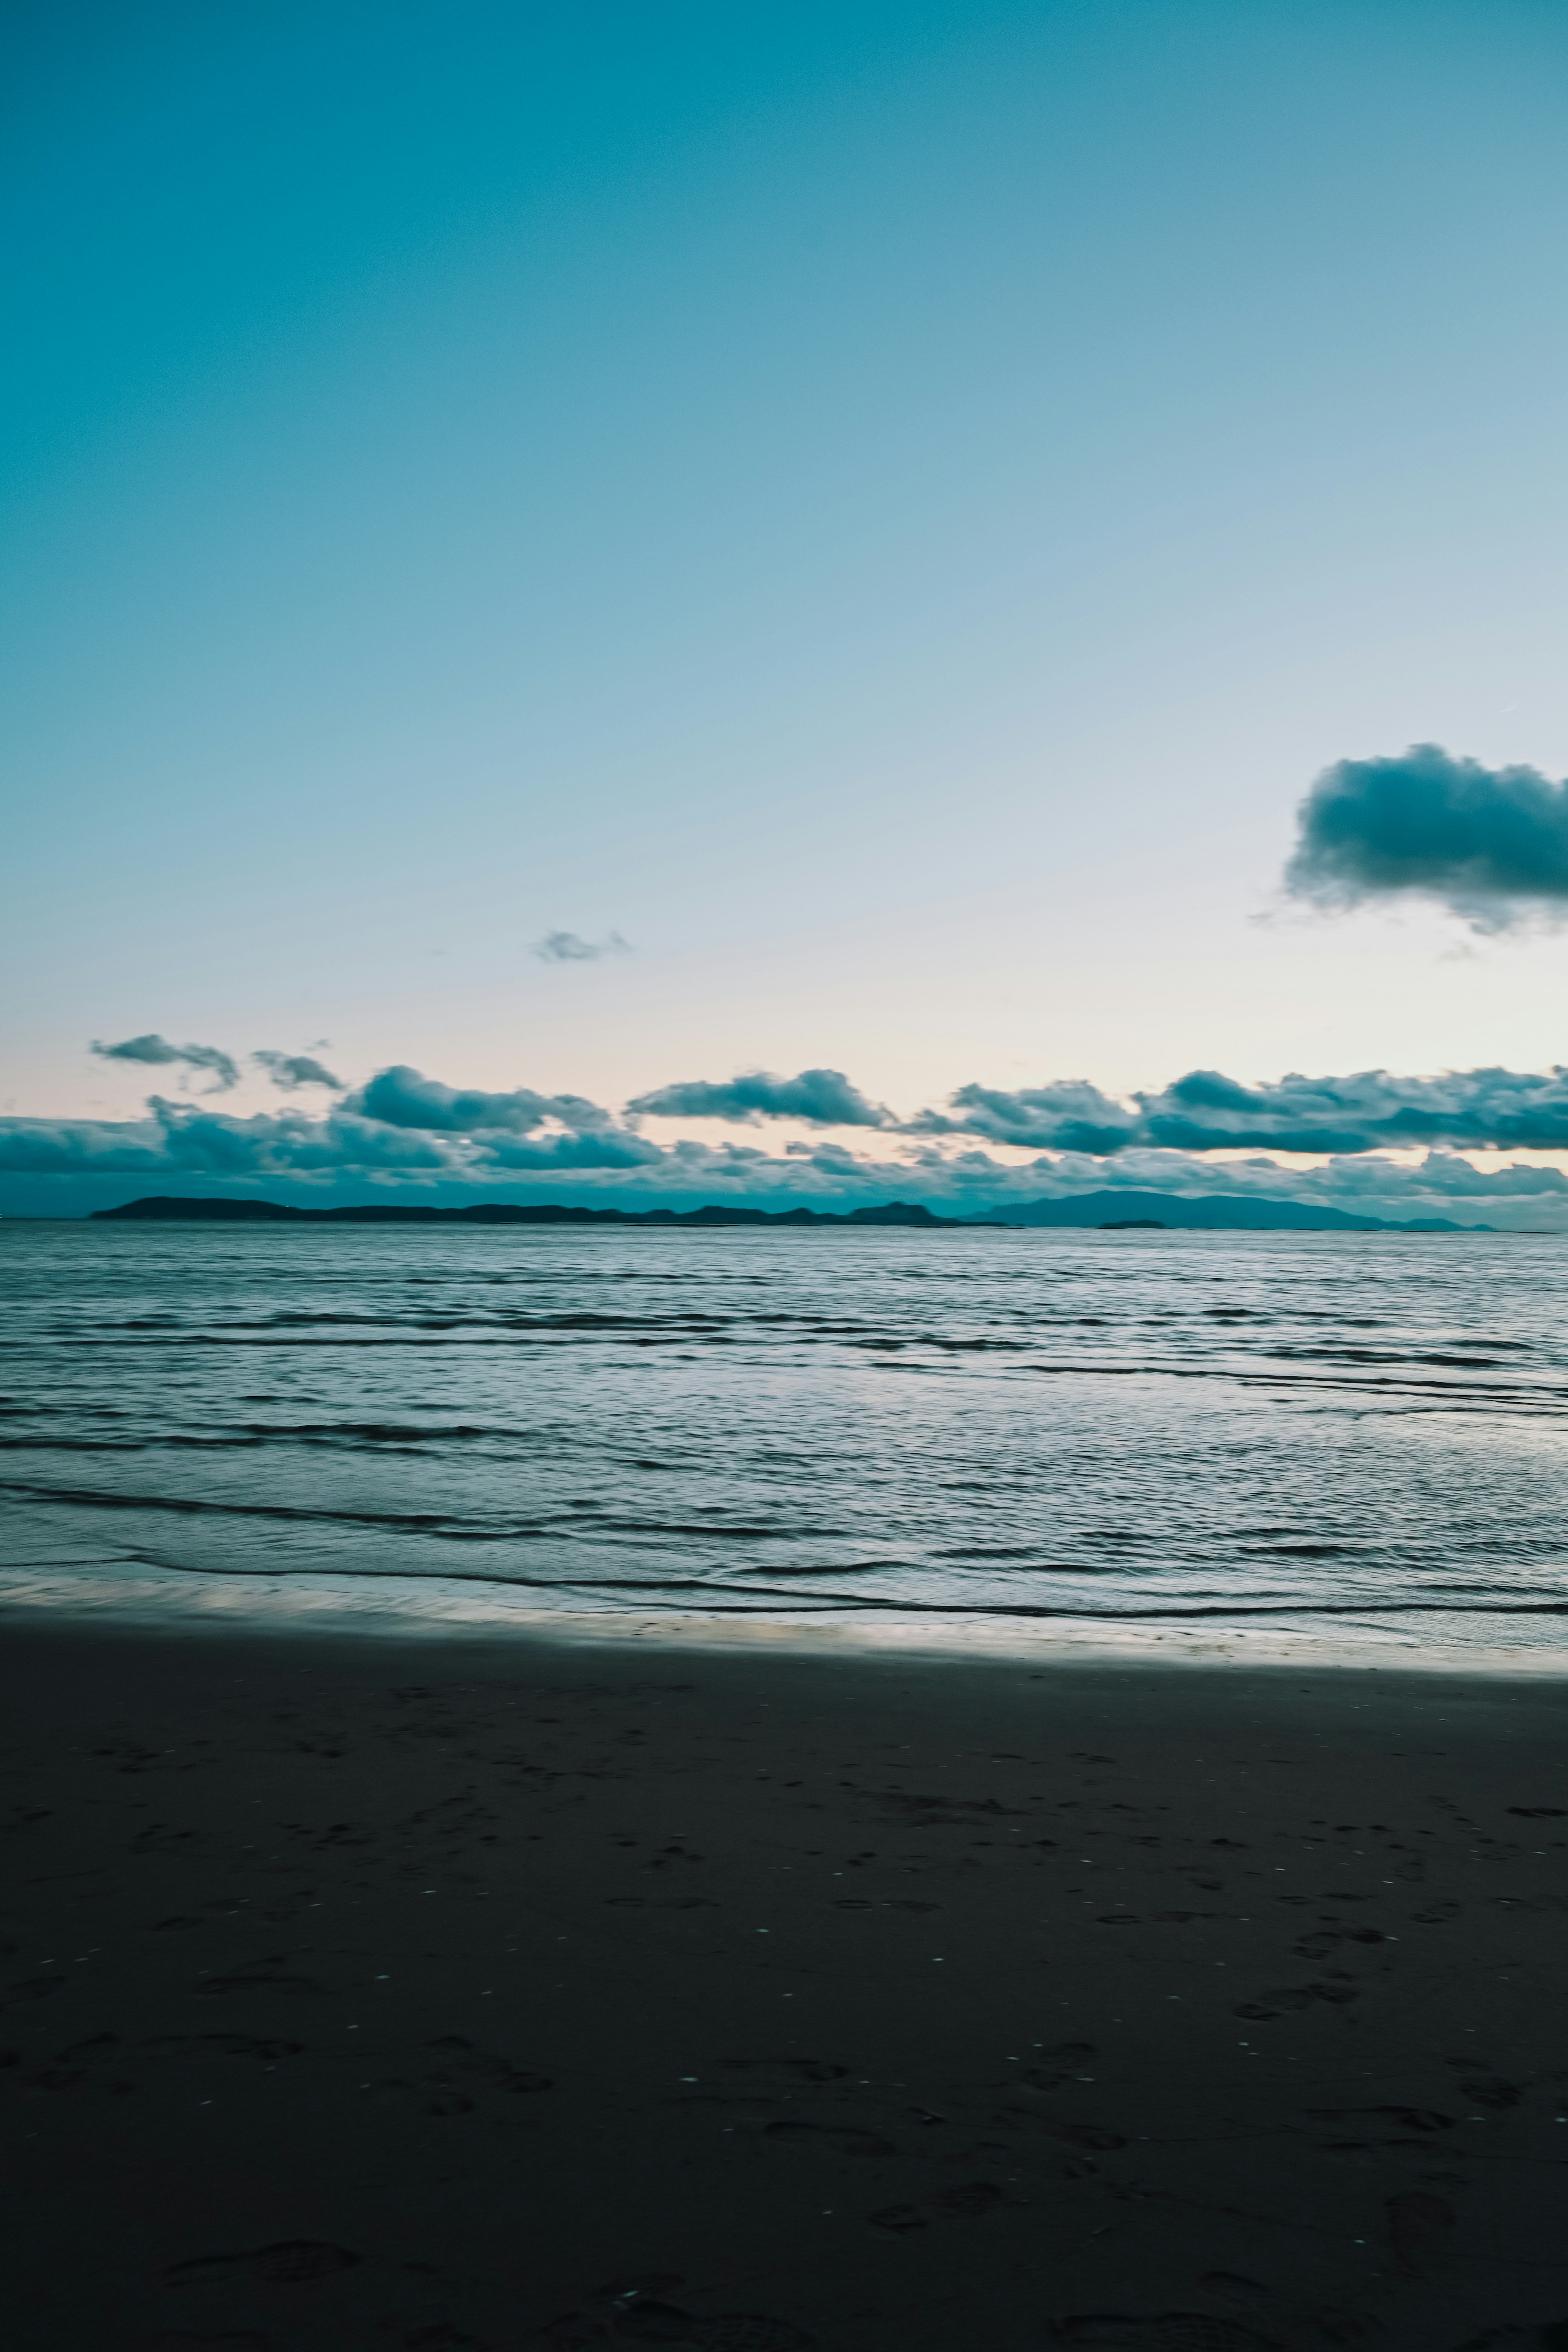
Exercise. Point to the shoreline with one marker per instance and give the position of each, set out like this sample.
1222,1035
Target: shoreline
515,1992
398,1609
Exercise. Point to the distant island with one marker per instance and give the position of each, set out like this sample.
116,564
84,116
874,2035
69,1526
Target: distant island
1108,1211
1214,1213
165,1206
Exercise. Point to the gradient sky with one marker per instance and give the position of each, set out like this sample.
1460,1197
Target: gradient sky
886,507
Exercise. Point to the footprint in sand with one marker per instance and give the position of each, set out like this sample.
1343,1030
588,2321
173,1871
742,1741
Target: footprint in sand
1551,2338
30,1989
660,1902
292,2261
1162,2331
729,2331
1276,2003
264,1978
1492,2091
181,2340
1094,2138
962,2202
81,2063
842,2139
791,2070
1381,2121
1318,1946
464,2057
1421,2229
1063,2063
223,2046
639,2317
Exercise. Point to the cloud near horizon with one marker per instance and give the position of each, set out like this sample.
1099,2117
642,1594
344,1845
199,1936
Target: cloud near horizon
1489,844
1476,1110
820,1098
156,1053
404,1128
1202,1111
400,1096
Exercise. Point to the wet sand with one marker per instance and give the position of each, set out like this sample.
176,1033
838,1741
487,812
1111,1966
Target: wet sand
512,1994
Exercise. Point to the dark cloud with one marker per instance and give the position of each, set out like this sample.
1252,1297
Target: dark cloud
565,947
400,1096
1205,1111
291,1070
404,1128
824,1097
1491,844
180,1139
287,1143
183,1140
80,1147
1068,1116
158,1053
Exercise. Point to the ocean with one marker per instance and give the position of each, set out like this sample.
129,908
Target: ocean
1355,1441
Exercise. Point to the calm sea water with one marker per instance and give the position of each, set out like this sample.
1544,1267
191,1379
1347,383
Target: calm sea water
1365,1434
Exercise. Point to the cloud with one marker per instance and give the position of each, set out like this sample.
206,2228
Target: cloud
824,1097
1491,844
1202,1111
158,1052
1205,1111
180,1139
400,1096
290,1070
1067,1115
565,947
614,1148
80,1147
339,1155
289,1143
987,1151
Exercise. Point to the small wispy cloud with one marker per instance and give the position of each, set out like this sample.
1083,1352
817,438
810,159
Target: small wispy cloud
1489,844
566,947
157,1052
291,1070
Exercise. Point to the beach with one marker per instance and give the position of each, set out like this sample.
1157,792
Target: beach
522,1992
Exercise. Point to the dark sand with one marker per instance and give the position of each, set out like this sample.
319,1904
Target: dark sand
521,1995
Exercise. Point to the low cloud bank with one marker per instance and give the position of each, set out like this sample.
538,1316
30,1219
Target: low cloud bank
1489,844
1205,1111
820,1098
404,1129
157,1052
502,1132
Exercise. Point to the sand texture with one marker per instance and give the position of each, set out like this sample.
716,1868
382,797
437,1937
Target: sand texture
517,1995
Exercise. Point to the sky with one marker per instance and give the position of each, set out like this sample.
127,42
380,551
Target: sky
961,551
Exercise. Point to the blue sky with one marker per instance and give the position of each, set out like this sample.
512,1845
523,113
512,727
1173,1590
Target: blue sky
874,515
